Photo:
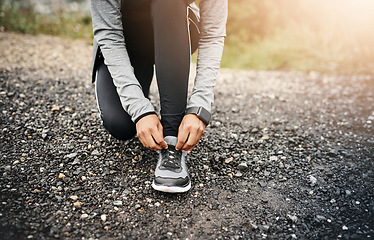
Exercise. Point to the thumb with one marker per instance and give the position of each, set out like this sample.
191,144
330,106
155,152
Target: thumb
160,129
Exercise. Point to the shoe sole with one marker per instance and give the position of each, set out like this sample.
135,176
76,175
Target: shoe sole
167,189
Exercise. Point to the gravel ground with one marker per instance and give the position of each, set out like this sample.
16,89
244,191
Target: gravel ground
288,155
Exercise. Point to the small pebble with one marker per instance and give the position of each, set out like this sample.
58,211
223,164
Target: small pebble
77,204
71,155
228,160
55,108
117,203
74,197
95,152
238,174
321,218
243,166
293,218
262,184
273,158
312,180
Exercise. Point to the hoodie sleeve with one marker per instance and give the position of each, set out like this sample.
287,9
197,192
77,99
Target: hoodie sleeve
212,34
108,32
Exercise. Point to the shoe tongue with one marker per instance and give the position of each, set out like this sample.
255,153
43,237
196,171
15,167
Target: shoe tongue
171,140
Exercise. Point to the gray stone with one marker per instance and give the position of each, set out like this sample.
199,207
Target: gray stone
273,158
262,184
293,218
312,180
95,152
238,174
117,203
71,155
243,166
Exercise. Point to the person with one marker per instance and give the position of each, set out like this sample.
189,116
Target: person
131,38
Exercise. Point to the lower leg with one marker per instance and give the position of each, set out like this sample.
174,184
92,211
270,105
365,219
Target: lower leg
172,59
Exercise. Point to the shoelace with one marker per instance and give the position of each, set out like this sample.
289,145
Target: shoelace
171,158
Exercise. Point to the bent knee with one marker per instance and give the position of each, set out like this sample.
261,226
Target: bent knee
120,127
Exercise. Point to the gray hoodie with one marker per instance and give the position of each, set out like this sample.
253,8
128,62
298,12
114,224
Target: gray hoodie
108,35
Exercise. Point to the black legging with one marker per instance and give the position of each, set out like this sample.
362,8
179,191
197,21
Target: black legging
156,32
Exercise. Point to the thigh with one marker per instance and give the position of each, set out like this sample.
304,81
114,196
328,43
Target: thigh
136,5
138,34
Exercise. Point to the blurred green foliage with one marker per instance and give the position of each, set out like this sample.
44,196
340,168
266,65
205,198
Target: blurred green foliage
20,16
334,36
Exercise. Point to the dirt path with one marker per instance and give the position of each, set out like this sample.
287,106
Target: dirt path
287,156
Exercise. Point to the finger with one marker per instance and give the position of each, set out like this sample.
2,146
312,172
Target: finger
193,139
163,144
159,142
153,144
142,139
182,138
148,142
159,138
190,143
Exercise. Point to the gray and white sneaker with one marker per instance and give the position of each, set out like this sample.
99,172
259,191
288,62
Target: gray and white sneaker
171,174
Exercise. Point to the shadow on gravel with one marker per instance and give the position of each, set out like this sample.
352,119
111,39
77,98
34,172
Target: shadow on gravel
287,156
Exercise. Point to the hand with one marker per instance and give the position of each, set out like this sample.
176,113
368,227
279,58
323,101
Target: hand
149,132
190,131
